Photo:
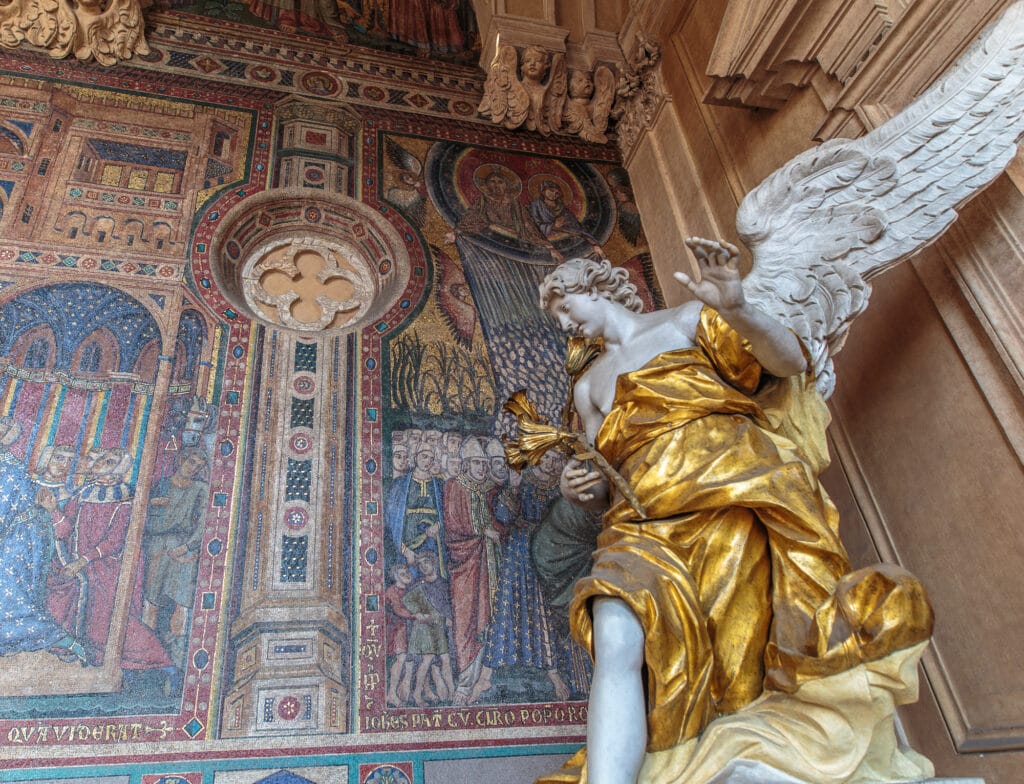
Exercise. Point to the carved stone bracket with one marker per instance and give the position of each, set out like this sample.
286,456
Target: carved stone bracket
108,30
640,95
532,88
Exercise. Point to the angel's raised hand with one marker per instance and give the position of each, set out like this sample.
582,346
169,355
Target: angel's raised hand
719,285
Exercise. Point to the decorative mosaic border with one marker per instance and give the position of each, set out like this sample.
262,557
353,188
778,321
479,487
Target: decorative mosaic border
11,256
365,767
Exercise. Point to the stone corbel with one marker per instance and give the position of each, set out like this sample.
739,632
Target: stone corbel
108,30
533,88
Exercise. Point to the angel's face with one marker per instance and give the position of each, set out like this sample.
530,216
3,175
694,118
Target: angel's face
535,63
580,85
580,313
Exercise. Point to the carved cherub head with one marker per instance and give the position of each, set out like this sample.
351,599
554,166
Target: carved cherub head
581,86
535,63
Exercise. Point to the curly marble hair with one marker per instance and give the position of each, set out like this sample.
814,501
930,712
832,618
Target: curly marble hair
585,276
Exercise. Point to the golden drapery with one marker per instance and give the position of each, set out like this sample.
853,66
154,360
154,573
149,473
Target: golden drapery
736,571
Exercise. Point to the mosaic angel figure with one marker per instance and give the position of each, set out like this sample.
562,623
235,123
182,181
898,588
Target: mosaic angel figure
730,634
408,193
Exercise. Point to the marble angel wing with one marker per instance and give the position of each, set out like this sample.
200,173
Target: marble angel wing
838,215
505,100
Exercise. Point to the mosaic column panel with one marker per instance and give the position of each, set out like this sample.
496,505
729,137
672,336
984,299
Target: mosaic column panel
291,637
311,266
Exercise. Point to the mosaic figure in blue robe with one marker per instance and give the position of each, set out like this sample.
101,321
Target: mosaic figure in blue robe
521,629
413,518
26,551
550,211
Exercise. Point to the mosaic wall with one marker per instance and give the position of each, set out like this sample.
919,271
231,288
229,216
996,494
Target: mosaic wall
443,29
256,522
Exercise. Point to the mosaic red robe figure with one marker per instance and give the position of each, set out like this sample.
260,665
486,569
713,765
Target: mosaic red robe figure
473,545
82,584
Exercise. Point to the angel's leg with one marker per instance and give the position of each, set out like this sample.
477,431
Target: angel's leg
617,717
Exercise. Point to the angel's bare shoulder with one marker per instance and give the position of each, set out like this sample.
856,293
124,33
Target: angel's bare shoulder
687,317
672,328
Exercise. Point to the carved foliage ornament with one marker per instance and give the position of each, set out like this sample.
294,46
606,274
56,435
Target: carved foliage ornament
534,90
639,95
107,30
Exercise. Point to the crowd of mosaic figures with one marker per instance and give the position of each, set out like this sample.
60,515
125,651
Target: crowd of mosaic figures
476,590
64,521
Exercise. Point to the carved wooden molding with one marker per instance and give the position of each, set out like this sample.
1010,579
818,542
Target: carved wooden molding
108,31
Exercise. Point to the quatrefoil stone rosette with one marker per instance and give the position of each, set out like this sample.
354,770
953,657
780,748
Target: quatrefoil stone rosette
309,262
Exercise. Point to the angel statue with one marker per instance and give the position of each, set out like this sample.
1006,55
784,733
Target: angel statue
536,100
732,640
590,103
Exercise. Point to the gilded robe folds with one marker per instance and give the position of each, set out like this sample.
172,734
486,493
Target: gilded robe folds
736,571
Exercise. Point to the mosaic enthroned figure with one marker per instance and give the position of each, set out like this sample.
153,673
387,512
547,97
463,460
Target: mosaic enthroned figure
26,546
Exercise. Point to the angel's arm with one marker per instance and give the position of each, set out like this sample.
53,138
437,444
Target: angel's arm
720,287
